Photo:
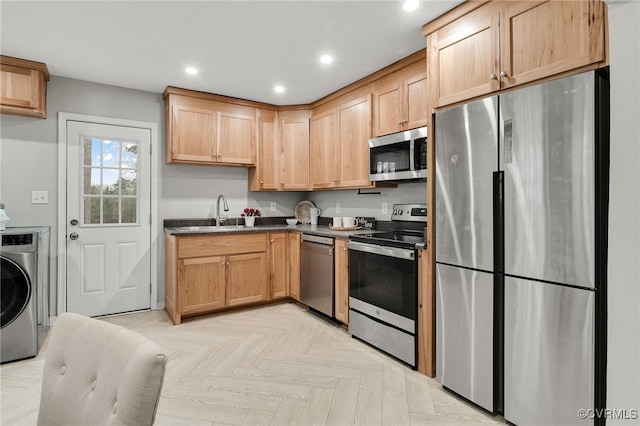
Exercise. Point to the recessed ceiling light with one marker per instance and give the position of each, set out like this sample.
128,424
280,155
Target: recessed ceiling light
279,89
326,59
191,70
410,5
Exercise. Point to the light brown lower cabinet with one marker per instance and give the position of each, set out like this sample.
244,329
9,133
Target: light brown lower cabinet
294,240
204,273
341,267
426,316
278,287
246,279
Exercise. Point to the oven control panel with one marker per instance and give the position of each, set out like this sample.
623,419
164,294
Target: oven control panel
416,212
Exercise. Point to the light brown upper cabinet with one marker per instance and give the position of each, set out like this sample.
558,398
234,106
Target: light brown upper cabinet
283,151
205,131
23,87
265,175
400,100
339,150
505,44
294,150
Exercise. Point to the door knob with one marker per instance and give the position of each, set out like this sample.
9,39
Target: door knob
503,74
73,236
493,76
73,222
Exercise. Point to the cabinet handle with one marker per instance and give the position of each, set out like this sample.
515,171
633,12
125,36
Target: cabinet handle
281,183
261,182
271,241
399,122
493,76
503,74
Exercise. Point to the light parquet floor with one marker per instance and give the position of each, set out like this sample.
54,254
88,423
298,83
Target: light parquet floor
272,365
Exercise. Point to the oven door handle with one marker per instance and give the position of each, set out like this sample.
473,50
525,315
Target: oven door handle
382,250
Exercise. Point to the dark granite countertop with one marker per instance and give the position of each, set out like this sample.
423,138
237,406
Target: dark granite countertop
184,227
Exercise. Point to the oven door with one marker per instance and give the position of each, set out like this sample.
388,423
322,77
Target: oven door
383,277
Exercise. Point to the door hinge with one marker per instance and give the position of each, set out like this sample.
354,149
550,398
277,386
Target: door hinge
150,288
150,221
150,149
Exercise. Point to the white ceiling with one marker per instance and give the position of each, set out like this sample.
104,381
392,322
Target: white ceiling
242,48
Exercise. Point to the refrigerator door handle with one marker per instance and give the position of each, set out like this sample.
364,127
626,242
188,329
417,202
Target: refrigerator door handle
508,141
498,221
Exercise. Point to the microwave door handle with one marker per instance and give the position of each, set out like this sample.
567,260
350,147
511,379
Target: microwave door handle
412,155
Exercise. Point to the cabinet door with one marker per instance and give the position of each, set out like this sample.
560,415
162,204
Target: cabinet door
415,101
463,57
246,278
293,270
342,281
278,265
388,111
192,134
324,153
354,132
294,150
23,91
265,175
202,284
543,38
236,137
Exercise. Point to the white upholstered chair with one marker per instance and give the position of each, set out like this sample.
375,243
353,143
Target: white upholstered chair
97,373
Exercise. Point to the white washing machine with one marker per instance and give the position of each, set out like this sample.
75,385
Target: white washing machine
24,272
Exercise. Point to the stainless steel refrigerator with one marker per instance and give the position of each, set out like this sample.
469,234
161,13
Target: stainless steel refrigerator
521,212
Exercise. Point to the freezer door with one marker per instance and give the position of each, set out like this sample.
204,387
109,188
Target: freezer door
547,153
464,333
548,352
466,155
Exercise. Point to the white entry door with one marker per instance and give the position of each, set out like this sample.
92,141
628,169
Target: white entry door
108,218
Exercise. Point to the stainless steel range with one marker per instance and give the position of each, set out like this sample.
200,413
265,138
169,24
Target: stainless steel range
383,283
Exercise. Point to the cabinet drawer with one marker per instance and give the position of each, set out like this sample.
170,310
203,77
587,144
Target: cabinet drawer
220,245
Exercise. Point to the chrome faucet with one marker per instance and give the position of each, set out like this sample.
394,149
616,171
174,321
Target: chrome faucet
226,209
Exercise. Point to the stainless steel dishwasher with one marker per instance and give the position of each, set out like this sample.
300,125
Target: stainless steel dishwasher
316,273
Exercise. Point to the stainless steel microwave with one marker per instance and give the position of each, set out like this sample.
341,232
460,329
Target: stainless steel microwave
399,157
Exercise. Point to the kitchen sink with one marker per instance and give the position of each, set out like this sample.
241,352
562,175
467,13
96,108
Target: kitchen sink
209,228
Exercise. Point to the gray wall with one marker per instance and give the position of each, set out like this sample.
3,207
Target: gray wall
29,149
353,204
29,161
623,372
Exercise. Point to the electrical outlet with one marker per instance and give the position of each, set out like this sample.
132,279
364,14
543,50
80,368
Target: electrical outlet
39,197
274,207
385,206
337,207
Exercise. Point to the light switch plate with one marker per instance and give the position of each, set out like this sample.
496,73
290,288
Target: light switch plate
274,207
385,206
39,197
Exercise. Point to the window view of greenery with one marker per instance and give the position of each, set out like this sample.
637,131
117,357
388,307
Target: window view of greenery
110,184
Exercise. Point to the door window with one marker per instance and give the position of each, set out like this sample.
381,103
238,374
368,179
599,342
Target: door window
109,182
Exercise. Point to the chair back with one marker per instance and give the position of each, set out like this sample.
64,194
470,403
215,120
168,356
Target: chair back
97,373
